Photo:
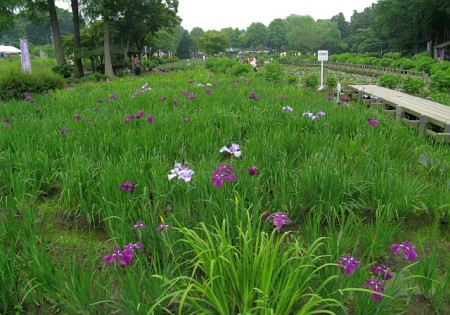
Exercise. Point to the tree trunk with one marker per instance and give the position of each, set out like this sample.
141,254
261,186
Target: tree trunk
76,40
56,34
107,54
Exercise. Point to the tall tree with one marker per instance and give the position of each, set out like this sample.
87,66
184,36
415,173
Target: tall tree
330,36
342,25
7,15
213,42
186,46
277,34
302,33
35,9
141,18
76,39
258,35
233,35
196,33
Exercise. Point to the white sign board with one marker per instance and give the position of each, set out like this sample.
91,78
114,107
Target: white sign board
322,55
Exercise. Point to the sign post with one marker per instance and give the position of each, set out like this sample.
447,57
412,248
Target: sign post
322,55
25,56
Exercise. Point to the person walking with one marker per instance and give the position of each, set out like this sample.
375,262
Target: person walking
137,65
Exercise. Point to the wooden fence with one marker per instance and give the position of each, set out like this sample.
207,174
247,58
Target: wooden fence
368,70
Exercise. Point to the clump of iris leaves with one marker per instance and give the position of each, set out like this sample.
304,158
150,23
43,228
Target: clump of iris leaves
85,187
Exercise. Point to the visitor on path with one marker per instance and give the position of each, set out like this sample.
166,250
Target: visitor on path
137,65
253,64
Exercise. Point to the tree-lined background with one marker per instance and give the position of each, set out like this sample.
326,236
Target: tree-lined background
117,28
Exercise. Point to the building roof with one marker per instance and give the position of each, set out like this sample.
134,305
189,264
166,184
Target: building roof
9,49
443,45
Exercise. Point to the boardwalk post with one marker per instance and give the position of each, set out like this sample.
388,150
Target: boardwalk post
423,123
399,113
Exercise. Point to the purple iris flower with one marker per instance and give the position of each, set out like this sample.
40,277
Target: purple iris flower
382,269
377,287
64,130
132,246
77,117
279,219
350,264
151,119
140,114
208,91
129,119
128,185
174,101
373,122
163,99
253,170
233,150
124,256
253,96
6,127
185,121
162,227
181,171
139,225
329,97
408,250
221,174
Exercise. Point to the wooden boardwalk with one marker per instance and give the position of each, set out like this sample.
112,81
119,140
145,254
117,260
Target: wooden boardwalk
429,117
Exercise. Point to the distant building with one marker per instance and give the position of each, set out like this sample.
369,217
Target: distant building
8,51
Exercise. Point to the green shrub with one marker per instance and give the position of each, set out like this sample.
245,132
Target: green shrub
292,79
440,81
239,69
392,55
403,63
95,77
65,70
389,80
424,63
386,62
15,83
219,65
311,80
121,73
412,85
331,81
274,72
445,66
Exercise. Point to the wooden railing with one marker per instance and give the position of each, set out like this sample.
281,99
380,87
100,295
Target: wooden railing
358,68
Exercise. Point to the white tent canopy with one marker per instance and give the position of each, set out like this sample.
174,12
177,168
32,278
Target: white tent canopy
9,50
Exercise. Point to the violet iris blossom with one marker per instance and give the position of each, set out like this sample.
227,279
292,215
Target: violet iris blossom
233,150
181,171
408,250
138,225
382,269
349,263
162,227
128,185
377,287
221,174
253,170
279,219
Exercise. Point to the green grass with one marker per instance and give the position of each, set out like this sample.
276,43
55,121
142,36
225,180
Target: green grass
348,187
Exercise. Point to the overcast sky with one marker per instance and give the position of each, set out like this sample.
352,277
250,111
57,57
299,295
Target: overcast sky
218,14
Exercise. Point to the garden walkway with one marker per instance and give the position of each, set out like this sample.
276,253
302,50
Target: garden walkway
429,117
